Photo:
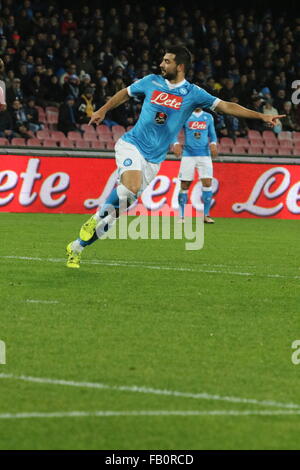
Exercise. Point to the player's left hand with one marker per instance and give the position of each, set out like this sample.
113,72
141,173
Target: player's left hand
270,119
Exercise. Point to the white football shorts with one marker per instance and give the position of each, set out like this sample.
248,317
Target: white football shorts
189,164
128,157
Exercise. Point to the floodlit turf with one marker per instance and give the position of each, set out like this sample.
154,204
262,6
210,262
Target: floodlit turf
219,321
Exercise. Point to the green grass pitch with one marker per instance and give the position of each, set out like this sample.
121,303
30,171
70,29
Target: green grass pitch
213,327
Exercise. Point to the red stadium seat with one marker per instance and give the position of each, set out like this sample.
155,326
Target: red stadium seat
86,128
271,143
57,135
255,142
242,141
34,142
66,143
254,134
226,141
255,150
43,119
118,129
49,143
269,135
286,144
75,136
18,141
285,135
238,149
110,145
226,149
97,145
43,134
52,118
284,151
40,109
83,144
87,136
270,151
103,129
4,141
296,137
52,109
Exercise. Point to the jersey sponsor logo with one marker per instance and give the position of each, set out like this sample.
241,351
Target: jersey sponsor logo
127,162
201,125
166,99
160,118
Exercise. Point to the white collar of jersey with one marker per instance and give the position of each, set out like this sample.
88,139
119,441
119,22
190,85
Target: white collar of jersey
174,85
198,113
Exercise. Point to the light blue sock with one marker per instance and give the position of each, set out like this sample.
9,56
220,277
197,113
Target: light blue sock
113,200
206,198
182,200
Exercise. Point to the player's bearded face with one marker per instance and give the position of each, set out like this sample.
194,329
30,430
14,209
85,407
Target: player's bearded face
168,67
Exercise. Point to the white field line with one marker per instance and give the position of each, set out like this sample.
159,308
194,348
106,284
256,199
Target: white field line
151,391
82,414
156,267
41,301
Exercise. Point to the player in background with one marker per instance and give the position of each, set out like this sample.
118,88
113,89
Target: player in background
199,148
169,101
2,86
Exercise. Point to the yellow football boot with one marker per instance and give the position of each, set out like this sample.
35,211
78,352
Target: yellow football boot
73,257
88,229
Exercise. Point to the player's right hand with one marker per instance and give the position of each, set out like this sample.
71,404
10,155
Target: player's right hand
97,117
177,149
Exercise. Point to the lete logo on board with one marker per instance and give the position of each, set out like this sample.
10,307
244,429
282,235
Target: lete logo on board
78,185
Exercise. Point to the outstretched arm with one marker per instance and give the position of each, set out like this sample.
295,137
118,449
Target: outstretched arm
235,109
119,98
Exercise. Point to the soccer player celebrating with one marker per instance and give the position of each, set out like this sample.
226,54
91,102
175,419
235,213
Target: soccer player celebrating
169,101
200,145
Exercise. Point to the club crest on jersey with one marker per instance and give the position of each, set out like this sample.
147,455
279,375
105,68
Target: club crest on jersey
183,91
166,99
160,118
201,125
197,135
127,162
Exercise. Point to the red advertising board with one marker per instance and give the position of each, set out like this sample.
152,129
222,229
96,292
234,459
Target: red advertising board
80,184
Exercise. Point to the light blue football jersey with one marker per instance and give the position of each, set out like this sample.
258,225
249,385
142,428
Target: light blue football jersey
199,132
164,112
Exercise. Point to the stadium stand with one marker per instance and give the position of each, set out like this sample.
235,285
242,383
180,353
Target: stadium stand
239,55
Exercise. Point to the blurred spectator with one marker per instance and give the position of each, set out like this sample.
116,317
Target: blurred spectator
85,81
236,127
86,106
6,123
54,92
20,121
68,23
279,100
289,121
228,91
14,92
32,115
67,118
71,87
84,63
257,105
37,89
269,109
